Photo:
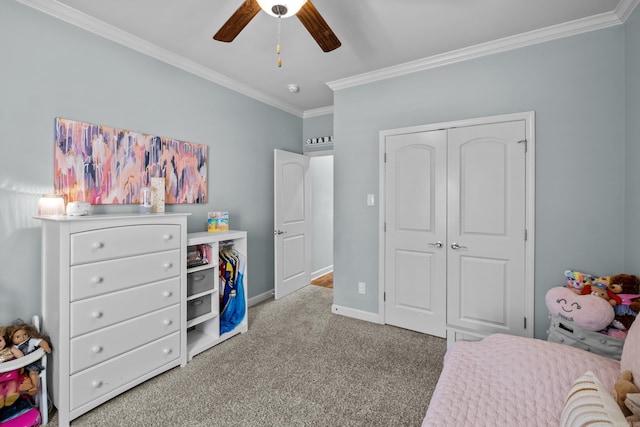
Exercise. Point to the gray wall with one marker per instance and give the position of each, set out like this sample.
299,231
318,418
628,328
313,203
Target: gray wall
314,127
632,235
321,170
575,85
52,69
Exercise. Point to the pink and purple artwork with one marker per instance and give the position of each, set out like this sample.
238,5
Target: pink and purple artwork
103,165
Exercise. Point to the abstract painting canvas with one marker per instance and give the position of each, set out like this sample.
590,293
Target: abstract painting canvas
104,165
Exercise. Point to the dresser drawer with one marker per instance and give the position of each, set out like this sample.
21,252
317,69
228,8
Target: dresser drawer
97,278
96,347
119,242
94,382
201,281
98,312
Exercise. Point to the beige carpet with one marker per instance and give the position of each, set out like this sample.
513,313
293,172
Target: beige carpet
298,365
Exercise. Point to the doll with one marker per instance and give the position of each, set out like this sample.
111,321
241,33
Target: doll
26,339
10,381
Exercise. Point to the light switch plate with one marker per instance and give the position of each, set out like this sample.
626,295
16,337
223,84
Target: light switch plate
371,200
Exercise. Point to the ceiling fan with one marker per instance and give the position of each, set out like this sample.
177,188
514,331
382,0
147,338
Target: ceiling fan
303,9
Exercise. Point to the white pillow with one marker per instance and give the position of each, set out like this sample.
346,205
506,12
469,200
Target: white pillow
590,404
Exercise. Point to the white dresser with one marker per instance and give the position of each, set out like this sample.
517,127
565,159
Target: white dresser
113,292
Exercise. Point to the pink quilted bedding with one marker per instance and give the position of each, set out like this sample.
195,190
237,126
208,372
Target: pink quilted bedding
506,380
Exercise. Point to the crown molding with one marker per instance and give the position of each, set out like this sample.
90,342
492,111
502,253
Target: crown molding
93,25
318,112
554,32
625,8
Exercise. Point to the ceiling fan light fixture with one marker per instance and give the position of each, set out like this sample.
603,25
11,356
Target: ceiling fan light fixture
281,8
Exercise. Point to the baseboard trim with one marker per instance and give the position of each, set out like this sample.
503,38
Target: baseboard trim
357,314
321,272
259,298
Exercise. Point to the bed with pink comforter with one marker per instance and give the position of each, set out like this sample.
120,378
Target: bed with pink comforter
506,380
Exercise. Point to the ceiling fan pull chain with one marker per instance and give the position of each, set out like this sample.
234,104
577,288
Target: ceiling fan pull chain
278,46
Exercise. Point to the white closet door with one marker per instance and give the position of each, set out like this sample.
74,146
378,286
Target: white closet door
486,228
415,217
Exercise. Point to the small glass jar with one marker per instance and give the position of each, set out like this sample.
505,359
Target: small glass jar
145,200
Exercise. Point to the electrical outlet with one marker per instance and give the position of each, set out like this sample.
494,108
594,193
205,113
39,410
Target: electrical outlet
362,288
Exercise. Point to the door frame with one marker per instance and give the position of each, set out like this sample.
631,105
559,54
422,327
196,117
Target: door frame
529,118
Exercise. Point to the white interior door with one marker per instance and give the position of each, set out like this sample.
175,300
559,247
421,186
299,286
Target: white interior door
292,210
486,228
415,216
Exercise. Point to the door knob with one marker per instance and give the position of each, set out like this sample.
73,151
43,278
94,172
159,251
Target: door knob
278,232
437,244
456,246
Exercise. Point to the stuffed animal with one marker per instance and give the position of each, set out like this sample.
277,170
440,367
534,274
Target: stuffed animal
625,313
603,292
613,288
623,386
630,284
605,281
632,402
587,311
576,280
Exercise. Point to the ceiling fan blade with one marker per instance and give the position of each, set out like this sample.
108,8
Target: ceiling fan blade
238,21
318,27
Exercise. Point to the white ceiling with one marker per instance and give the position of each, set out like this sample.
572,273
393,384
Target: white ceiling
379,38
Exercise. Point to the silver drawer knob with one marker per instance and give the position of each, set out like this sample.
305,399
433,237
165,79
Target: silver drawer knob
96,384
167,265
97,245
97,280
167,351
167,294
96,349
167,237
96,314
167,322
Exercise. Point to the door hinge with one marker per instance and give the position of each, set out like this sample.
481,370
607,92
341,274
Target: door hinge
526,235
385,157
384,296
385,227
525,323
523,141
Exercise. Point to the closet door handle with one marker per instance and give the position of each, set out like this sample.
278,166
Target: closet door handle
278,232
456,246
437,244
